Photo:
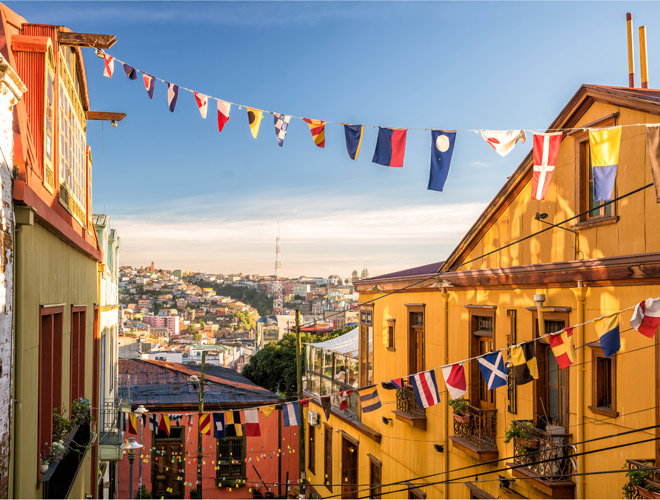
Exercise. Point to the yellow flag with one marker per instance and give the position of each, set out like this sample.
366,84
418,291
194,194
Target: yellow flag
604,146
267,410
254,119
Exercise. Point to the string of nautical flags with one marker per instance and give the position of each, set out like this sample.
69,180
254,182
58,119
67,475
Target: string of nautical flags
494,370
391,142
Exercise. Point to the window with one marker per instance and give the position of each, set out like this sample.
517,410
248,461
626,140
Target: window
231,458
327,453
390,334
72,160
551,388
415,338
50,372
49,121
375,476
415,492
78,323
584,189
482,341
311,449
511,339
603,379
366,346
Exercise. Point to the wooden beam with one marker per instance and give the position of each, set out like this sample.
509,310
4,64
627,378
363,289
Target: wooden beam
105,115
91,40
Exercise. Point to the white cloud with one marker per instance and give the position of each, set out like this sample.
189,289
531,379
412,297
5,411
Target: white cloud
314,240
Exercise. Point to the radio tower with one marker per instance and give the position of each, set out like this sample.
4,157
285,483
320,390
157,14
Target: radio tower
278,302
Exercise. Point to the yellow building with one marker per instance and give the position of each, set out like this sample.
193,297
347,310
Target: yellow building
488,295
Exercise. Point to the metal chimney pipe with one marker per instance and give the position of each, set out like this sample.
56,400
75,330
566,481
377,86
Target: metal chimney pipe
643,60
631,54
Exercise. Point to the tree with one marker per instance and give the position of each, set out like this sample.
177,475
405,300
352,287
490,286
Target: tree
354,275
274,366
197,337
365,274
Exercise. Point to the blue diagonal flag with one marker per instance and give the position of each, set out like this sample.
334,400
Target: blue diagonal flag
493,370
218,425
353,134
442,147
172,95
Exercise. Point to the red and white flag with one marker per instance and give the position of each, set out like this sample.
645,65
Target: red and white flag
455,380
646,317
223,113
109,66
546,149
149,84
343,399
425,388
503,141
252,422
191,419
202,103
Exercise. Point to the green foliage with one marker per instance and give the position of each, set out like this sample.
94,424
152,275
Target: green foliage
81,411
197,337
143,493
274,366
518,429
61,425
637,477
246,320
459,405
251,296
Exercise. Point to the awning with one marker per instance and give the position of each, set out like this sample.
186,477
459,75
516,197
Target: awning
346,344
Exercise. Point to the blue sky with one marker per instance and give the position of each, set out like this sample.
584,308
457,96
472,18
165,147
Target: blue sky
185,196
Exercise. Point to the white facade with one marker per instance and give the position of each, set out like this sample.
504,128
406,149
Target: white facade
11,90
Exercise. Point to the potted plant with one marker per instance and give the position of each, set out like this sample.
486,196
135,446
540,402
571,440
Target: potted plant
638,483
57,452
521,431
61,425
80,411
44,463
459,406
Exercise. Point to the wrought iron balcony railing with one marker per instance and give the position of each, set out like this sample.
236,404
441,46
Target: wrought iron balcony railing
60,476
546,454
406,403
109,424
479,428
644,483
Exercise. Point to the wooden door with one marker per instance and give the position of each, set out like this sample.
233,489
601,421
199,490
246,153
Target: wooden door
349,469
164,464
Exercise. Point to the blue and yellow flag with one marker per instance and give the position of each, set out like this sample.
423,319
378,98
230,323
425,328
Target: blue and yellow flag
354,135
604,145
369,400
607,329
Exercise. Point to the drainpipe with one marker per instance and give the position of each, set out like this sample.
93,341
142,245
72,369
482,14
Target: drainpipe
580,295
444,294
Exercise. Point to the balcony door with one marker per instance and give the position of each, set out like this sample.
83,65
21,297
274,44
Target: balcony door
168,451
482,341
349,468
551,388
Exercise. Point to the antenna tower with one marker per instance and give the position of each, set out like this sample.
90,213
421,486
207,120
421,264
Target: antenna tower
278,300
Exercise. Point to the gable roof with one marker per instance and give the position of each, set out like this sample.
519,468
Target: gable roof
645,100
166,384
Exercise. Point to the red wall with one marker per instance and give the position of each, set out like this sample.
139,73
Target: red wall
256,447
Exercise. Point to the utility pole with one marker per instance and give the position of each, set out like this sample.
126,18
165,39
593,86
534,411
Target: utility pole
199,428
301,429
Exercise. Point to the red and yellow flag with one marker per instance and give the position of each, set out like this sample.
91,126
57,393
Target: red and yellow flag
164,423
562,348
205,423
317,128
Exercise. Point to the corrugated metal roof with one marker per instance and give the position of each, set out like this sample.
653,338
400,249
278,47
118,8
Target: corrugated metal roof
413,271
167,384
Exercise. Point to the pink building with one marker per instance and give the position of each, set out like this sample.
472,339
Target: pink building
169,322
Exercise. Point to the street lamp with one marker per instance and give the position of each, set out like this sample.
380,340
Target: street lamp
129,447
140,411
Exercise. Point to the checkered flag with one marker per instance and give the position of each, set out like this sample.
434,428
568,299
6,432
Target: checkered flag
281,126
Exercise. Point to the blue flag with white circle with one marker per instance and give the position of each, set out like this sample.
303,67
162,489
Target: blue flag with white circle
442,147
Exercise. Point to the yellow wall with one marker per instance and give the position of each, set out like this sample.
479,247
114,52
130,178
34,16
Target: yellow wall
407,452
48,272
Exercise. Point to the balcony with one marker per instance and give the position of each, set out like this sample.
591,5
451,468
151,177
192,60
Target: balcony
407,409
60,476
642,483
546,458
475,434
110,433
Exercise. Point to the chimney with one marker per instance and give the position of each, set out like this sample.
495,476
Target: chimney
631,55
643,61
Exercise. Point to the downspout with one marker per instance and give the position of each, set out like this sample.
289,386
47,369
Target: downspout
444,294
23,215
580,295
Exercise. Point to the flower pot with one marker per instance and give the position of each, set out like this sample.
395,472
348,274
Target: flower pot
44,468
643,492
462,419
530,444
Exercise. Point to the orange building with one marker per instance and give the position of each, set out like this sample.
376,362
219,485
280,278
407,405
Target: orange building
169,463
